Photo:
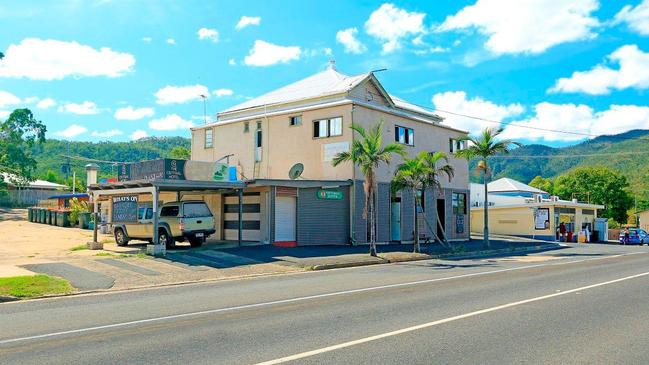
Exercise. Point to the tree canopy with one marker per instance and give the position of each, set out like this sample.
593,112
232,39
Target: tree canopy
542,183
18,134
600,185
181,153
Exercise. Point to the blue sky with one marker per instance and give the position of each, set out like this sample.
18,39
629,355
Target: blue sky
119,70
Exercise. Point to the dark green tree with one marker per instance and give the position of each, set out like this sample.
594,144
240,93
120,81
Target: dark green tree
544,184
18,134
599,185
181,153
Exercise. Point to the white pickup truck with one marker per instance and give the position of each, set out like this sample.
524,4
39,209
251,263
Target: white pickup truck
178,221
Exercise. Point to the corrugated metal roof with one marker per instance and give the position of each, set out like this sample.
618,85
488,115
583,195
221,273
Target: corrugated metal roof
323,83
507,184
36,184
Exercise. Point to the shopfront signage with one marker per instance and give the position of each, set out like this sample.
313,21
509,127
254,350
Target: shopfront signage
541,218
459,223
329,194
124,209
175,169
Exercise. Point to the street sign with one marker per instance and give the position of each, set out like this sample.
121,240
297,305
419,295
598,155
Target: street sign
329,194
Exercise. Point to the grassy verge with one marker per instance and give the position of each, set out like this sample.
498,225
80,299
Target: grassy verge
33,286
141,255
79,248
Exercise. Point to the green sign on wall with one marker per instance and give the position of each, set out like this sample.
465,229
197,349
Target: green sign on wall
329,194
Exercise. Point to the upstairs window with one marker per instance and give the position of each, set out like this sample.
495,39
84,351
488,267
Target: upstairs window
404,135
208,138
295,120
455,145
246,127
328,127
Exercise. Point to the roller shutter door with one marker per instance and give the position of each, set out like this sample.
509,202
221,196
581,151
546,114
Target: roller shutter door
285,218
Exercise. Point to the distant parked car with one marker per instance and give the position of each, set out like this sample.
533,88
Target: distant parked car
636,237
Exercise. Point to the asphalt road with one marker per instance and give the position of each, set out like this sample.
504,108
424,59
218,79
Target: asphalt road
581,305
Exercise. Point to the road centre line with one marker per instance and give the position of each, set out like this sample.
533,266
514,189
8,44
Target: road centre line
441,321
298,299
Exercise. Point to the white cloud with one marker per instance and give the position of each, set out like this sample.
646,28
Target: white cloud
7,98
85,108
72,131
208,34
391,24
139,134
246,21
222,92
514,26
579,118
232,62
46,103
107,134
637,18
171,41
54,60
170,122
30,99
633,72
348,39
146,39
4,114
457,102
267,54
130,113
180,94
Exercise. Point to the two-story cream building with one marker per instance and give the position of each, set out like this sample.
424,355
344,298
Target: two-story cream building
301,127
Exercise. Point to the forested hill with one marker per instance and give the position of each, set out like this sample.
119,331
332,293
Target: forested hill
627,153
50,155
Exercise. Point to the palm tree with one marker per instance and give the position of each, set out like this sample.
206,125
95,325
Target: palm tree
369,153
484,146
417,175
431,160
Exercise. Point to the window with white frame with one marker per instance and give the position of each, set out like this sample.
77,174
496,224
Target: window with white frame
404,135
332,127
455,145
209,143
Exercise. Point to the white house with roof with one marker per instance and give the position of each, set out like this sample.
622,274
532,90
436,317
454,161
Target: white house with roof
25,192
518,209
301,127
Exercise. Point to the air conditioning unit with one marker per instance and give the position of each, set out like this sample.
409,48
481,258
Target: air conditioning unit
538,198
554,198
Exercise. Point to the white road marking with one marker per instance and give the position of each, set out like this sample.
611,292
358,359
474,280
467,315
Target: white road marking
298,299
441,321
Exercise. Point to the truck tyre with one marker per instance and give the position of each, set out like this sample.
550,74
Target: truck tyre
120,237
196,241
165,239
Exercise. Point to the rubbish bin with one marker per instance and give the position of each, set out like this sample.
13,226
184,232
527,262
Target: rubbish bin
63,219
594,237
39,215
44,216
48,216
84,219
53,217
29,214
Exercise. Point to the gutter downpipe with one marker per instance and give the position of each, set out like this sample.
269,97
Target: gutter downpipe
352,190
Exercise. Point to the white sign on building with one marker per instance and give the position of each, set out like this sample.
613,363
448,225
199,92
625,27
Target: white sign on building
332,149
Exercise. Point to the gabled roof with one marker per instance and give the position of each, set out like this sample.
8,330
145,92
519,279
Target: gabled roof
506,184
327,82
13,180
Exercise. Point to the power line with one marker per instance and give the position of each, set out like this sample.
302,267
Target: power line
511,124
567,156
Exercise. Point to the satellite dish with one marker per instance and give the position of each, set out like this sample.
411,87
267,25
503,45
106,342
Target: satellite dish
295,171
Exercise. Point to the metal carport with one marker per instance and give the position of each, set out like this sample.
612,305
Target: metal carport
154,187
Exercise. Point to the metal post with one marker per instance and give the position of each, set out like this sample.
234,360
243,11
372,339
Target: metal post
240,215
157,247
95,199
